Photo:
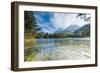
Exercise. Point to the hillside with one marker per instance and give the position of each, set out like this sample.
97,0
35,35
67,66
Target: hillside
83,31
71,28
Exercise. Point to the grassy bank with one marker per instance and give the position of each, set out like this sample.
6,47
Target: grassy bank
29,41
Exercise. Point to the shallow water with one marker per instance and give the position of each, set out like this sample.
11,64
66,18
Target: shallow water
62,49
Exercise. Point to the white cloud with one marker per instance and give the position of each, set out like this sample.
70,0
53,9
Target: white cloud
63,20
58,21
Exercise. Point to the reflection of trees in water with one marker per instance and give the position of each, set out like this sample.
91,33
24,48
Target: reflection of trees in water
44,48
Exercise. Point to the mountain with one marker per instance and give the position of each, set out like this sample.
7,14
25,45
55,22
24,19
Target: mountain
83,31
72,28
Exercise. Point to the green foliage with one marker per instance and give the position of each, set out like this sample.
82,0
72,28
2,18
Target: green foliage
30,22
31,29
83,31
83,16
29,40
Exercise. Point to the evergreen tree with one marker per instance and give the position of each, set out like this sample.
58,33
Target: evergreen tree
30,22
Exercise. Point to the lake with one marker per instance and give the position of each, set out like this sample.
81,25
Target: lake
61,49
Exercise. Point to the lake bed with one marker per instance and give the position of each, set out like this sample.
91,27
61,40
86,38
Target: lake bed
61,49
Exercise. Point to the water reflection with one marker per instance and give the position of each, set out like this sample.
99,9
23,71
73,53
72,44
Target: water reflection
59,49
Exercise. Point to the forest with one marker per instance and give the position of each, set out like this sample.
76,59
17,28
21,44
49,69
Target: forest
32,32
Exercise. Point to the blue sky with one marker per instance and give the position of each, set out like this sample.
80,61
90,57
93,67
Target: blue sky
53,21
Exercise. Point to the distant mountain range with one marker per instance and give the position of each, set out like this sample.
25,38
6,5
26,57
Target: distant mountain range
71,28
77,30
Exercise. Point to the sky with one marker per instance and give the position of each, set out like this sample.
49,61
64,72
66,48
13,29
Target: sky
53,21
